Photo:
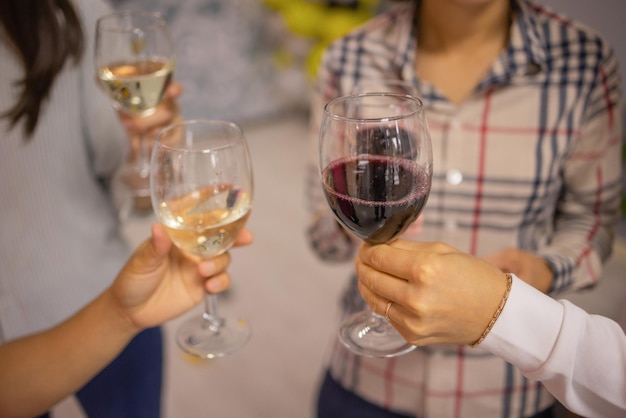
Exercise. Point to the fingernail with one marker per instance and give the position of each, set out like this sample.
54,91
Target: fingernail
214,285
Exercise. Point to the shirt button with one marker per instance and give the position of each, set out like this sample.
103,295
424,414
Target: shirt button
455,124
454,177
449,224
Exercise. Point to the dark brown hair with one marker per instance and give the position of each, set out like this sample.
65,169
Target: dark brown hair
46,33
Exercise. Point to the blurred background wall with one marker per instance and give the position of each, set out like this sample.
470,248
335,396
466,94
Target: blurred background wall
224,58
253,59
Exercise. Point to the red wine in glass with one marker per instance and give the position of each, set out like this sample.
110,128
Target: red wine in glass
385,197
375,159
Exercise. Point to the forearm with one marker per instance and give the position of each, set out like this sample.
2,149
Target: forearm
585,370
575,260
516,336
42,369
554,342
588,208
330,241
327,238
584,227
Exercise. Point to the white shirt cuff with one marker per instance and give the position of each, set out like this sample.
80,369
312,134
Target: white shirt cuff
527,329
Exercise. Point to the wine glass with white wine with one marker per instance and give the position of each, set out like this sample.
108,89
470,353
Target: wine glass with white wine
201,188
134,60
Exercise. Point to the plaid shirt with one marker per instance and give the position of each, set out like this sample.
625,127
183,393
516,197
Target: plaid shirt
532,159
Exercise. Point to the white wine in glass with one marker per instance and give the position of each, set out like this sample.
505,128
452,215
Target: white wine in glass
134,60
201,187
136,87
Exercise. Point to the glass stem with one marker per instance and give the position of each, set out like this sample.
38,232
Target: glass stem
211,316
379,322
142,163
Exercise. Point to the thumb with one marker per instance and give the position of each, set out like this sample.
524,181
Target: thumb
174,90
149,256
160,240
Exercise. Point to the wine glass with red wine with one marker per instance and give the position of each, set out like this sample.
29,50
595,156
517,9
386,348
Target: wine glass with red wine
375,157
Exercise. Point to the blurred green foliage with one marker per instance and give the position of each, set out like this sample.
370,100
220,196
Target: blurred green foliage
322,21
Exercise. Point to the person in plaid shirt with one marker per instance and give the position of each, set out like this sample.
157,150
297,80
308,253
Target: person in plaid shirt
525,109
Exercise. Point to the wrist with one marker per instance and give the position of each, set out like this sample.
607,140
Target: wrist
522,336
498,311
118,318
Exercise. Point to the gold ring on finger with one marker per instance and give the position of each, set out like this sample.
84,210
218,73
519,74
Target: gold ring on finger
387,311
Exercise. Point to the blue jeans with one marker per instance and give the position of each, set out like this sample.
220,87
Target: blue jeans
336,402
130,386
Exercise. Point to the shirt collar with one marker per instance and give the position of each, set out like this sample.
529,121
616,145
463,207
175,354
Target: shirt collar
524,56
526,48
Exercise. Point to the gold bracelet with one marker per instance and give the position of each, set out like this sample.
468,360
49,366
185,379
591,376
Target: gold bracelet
509,283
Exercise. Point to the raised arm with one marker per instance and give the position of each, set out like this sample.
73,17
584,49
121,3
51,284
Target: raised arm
326,237
156,284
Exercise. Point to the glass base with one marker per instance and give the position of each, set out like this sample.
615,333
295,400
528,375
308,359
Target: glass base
368,334
206,339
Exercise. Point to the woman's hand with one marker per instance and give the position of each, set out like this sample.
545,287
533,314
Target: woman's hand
143,128
527,266
440,295
160,282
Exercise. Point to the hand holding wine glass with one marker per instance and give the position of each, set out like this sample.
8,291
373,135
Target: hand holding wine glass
134,61
201,187
376,172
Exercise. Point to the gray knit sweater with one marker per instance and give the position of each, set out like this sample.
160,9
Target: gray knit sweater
59,241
